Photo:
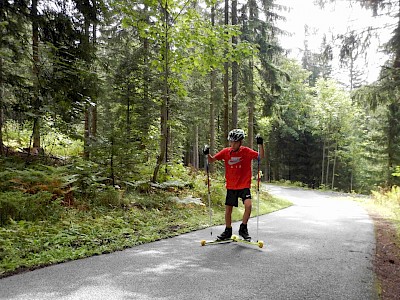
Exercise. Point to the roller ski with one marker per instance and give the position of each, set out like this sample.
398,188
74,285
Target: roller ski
235,238
225,237
217,241
245,238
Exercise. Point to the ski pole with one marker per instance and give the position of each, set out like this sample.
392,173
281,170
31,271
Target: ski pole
258,186
259,143
206,151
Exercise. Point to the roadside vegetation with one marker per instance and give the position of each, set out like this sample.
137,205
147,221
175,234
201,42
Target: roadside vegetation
386,203
54,214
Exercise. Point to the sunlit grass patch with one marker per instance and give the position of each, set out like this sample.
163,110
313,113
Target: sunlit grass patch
386,203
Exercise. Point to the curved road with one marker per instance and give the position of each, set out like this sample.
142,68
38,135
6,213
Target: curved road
320,248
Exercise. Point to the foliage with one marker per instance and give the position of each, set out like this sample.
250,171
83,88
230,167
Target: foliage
390,199
386,202
22,206
86,177
293,149
333,115
17,136
78,233
120,84
31,181
397,172
32,194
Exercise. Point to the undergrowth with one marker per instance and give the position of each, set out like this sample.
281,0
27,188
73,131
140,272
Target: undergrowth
52,214
387,203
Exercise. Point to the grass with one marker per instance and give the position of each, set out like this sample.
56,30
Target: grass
80,233
386,203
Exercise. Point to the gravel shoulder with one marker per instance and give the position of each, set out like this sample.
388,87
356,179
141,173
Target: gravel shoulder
387,258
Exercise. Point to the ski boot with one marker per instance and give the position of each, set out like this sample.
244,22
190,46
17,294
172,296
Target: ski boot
244,233
226,235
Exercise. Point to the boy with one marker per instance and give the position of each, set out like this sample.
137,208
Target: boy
238,175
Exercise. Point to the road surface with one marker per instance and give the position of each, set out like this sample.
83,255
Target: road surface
320,248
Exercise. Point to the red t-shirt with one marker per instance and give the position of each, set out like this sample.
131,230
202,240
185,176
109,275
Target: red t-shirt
237,166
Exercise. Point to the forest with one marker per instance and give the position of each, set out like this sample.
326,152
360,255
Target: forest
106,106
127,91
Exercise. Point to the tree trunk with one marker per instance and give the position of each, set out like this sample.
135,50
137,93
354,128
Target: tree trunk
112,162
394,107
35,53
392,136
327,165
1,125
212,116
1,107
250,129
163,140
323,163
128,113
250,121
86,141
146,73
250,105
351,180
196,147
163,156
93,132
94,108
226,85
334,165
235,70
396,39
212,100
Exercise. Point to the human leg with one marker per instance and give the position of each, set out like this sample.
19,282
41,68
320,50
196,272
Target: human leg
230,201
228,224
243,231
228,216
245,195
247,210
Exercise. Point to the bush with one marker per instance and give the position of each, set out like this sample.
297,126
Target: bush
110,197
30,207
86,177
217,189
387,196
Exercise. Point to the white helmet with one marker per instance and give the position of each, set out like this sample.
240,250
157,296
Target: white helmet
236,135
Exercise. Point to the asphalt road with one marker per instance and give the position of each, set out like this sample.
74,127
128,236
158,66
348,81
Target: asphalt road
319,248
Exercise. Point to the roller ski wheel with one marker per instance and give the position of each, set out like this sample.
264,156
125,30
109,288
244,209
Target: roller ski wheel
235,238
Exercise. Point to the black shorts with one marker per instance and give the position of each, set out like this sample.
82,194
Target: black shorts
232,196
